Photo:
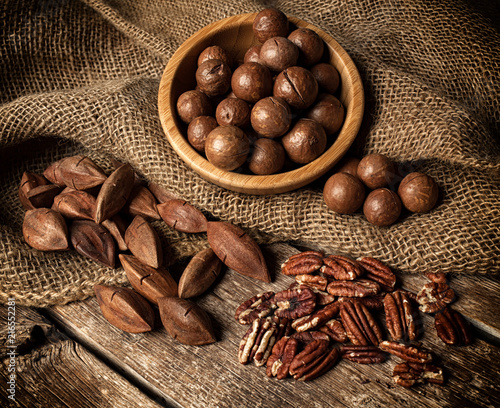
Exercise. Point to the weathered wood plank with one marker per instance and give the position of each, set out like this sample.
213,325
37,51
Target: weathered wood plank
211,376
53,371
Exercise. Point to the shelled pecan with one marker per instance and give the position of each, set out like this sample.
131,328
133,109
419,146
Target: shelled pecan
360,325
260,305
316,359
400,316
452,328
434,296
307,337
317,318
257,343
313,281
354,288
408,374
283,353
341,267
335,329
378,272
363,354
412,354
304,263
375,302
295,303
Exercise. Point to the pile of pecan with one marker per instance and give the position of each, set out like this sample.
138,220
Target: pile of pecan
333,311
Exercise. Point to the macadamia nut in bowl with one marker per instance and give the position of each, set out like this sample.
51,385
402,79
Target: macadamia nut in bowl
233,37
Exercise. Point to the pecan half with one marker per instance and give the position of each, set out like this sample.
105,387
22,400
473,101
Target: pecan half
304,263
436,277
409,374
261,305
375,302
378,272
313,281
413,354
309,336
258,341
363,354
360,325
452,328
317,318
434,296
295,303
283,353
400,316
341,267
315,360
335,329
355,288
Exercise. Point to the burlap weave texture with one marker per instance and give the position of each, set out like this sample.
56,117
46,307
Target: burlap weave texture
83,77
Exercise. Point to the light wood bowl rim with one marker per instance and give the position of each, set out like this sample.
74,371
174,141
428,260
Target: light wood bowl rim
275,183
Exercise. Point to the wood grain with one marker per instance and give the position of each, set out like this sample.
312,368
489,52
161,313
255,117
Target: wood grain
235,35
210,376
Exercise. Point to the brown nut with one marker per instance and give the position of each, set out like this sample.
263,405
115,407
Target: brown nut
317,318
215,52
144,243
41,196
344,193
213,77
79,172
297,86
193,103
75,204
283,353
199,274
142,202
310,45
360,326
418,192
413,354
295,303
376,170
125,309
341,267
408,374
227,147
329,112
257,343
400,317
379,272
93,241
182,216
452,328
268,23
45,229
363,354
198,130
434,297
268,157
234,112
253,54
271,117
353,288
382,207
302,263
305,142
326,76
278,53
251,82
258,306
185,321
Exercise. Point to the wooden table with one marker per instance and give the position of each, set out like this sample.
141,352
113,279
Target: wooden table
71,357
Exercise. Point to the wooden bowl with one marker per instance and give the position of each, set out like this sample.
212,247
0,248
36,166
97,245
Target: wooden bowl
235,35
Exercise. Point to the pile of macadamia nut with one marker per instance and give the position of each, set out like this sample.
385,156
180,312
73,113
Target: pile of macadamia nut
374,184
274,110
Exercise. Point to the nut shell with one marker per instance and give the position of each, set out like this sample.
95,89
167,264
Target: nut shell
418,192
344,193
252,81
305,142
278,53
268,157
310,45
227,147
297,86
268,23
213,77
327,111
376,170
382,207
193,103
198,130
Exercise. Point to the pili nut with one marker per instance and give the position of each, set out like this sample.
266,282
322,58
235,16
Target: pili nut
52,173
114,193
379,272
237,250
141,202
260,305
400,317
335,330
341,267
144,243
160,193
137,179
185,321
317,318
295,303
316,359
117,227
28,182
360,325
407,352
313,281
363,354
199,274
75,204
452,328
409,374
182,216
355,288
93,241
40,197
45,229
434,296
149,282
282,355
125,309
257,343
303,263
80,172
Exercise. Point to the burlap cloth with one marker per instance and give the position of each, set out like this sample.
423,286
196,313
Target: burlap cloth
83,77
